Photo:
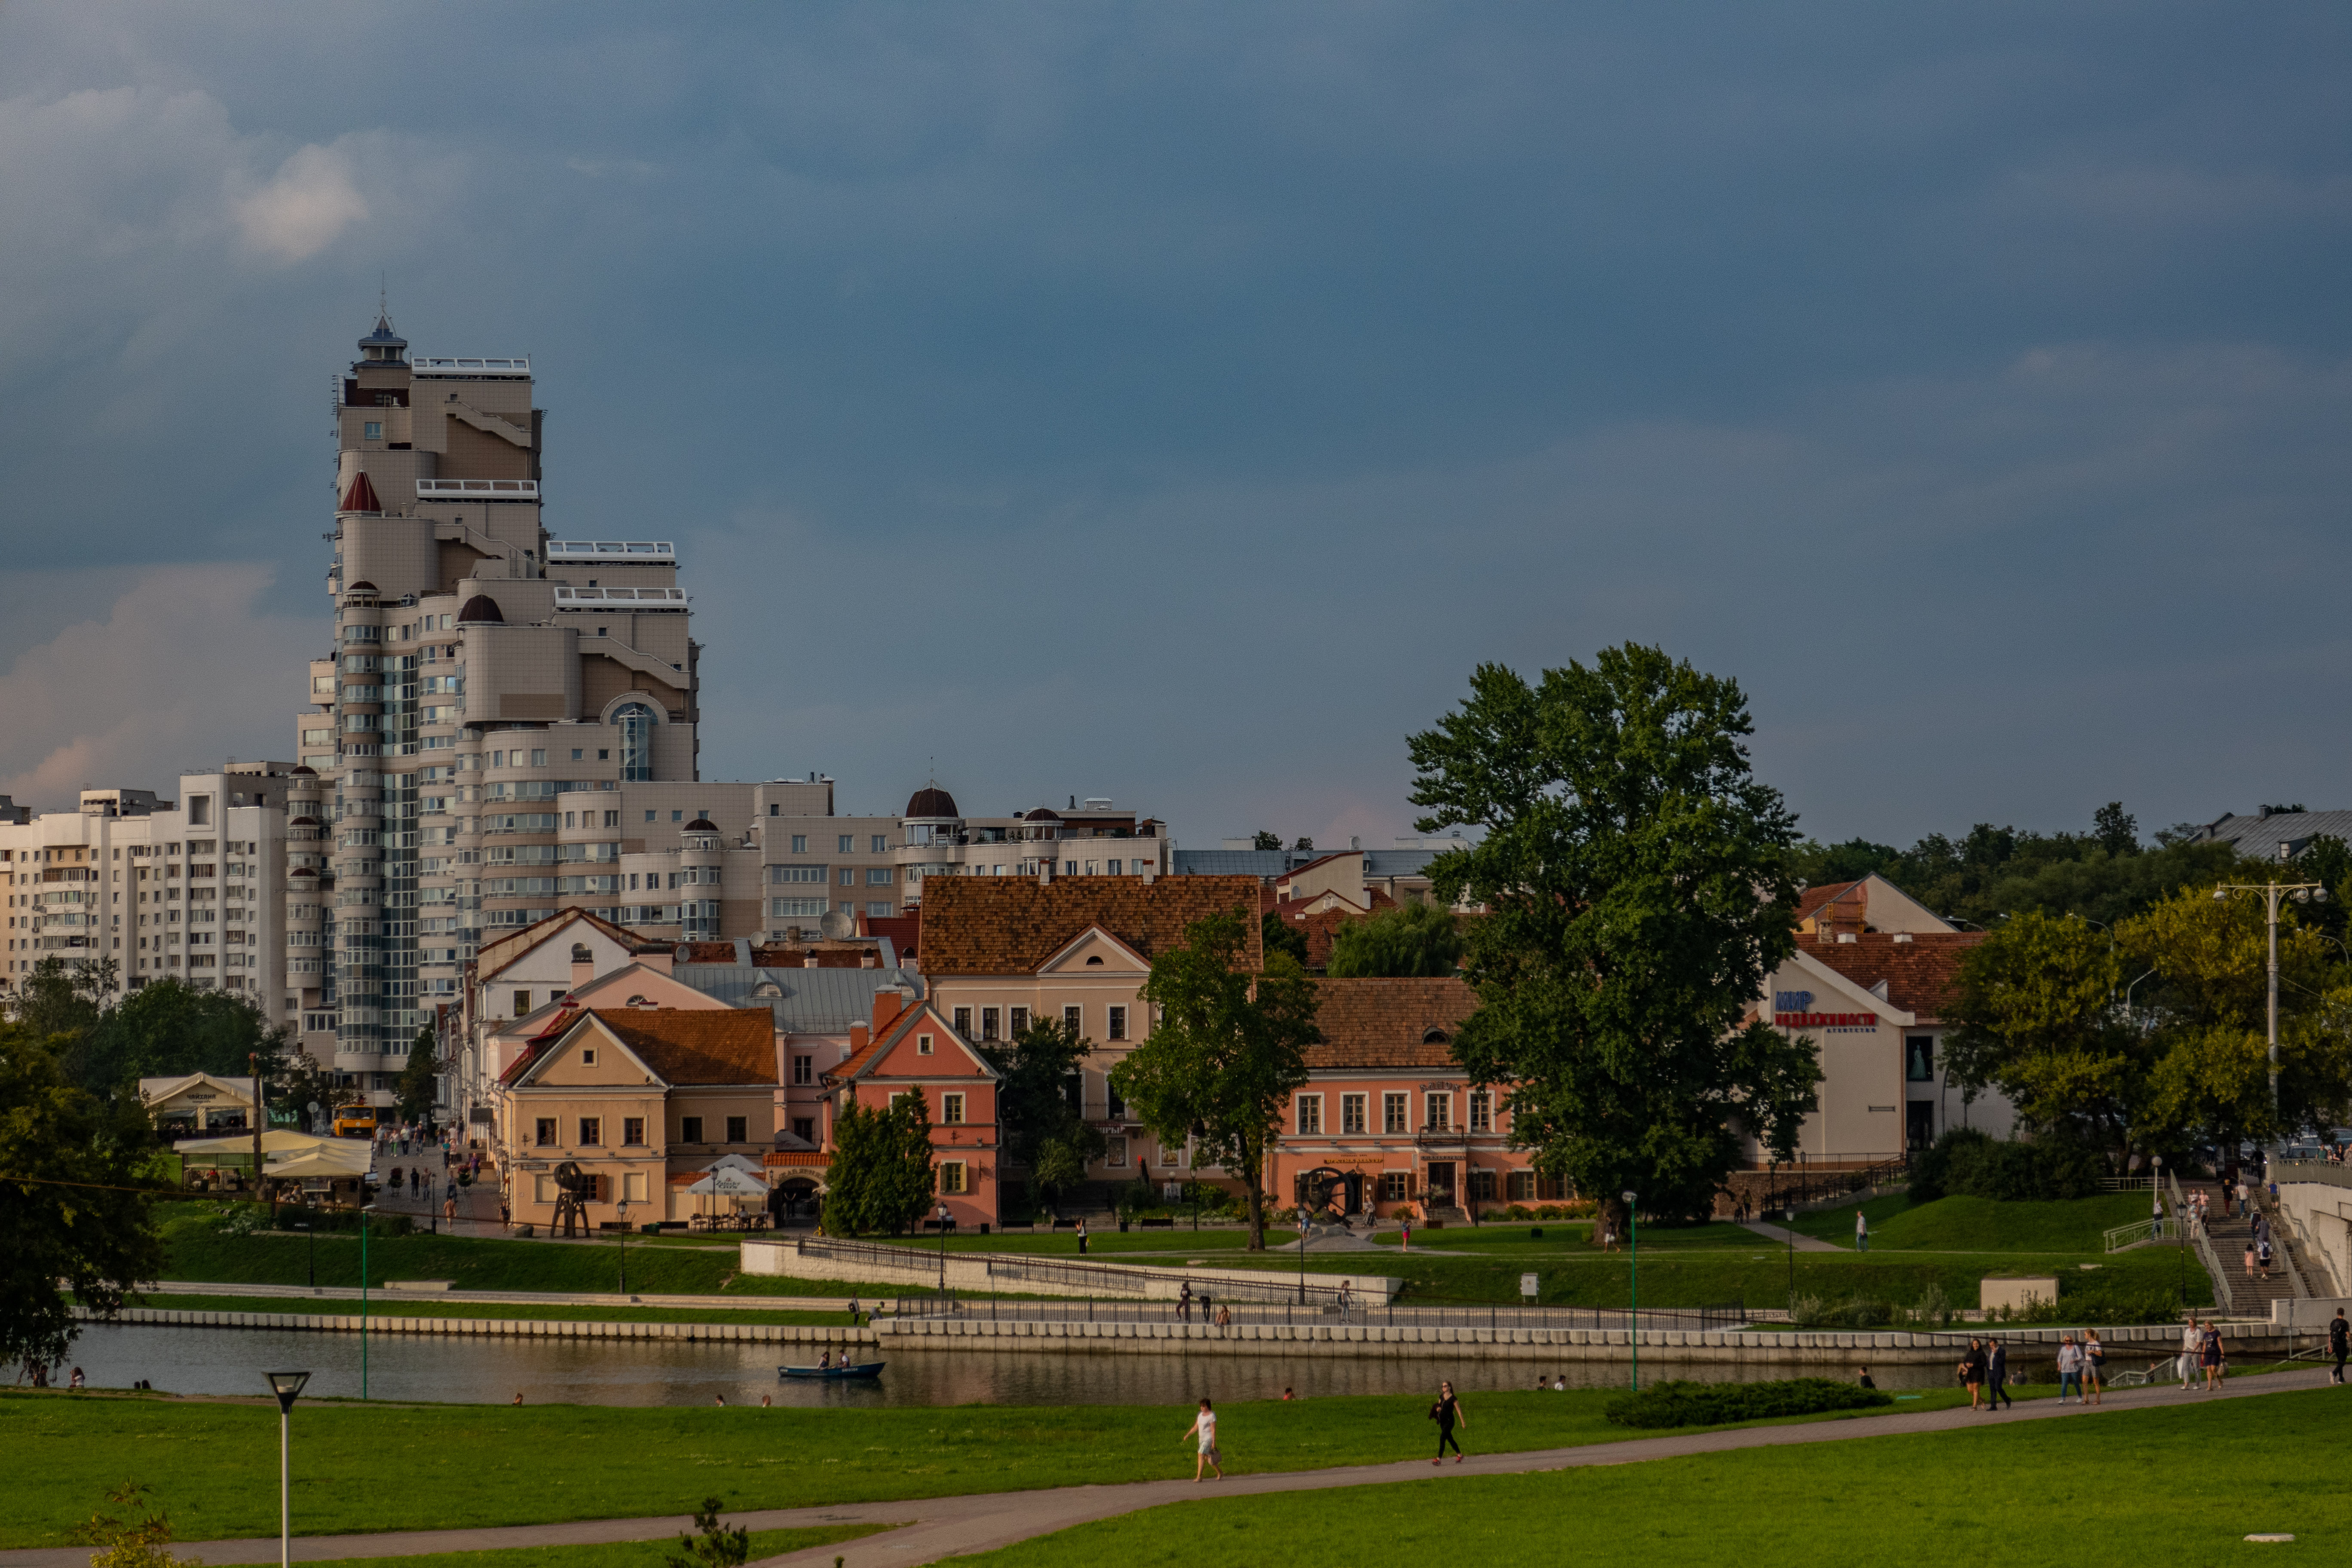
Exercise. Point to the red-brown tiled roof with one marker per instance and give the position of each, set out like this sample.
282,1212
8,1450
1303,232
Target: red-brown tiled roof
1387,1022
1011,925
778,955
495,955
795,1157
905,931
724,1045
1920,973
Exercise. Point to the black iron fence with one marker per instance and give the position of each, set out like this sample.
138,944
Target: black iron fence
1211,1304
1797,1185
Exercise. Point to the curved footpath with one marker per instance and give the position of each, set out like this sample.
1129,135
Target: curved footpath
929,1529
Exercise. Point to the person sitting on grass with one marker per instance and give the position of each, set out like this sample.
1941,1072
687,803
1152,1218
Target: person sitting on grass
1204,1426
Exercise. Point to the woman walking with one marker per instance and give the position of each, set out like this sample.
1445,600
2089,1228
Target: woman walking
1204,1426
2094,1362
2209,1357
2070,1367
1446,1413
1972,1369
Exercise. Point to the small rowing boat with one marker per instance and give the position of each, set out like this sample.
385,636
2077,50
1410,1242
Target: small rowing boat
856,1369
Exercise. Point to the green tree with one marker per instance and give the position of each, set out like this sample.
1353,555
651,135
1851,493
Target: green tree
716,1547
1638,880
1281,936
60,1000
1416,937
2117,829
1227,1052
170,1027
1264,840
1045,1133
881,1178
126,1540
73,1200
416,1088
2036,1012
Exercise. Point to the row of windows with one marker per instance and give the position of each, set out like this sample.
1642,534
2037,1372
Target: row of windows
785,909
1437,1113
633,1129
1114,1022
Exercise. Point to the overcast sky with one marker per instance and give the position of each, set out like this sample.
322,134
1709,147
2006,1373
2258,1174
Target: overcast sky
1175,403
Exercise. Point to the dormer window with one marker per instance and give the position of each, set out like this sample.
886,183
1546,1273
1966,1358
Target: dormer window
1437,1038
922,1044
588,1056
1094,961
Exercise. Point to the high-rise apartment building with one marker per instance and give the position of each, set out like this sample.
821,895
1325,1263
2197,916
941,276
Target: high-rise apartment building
480,670
193,889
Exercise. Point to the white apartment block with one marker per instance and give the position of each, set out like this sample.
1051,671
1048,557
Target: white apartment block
194,889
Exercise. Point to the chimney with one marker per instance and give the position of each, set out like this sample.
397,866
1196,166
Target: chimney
869,961
1903,936
857,1038
581,974
888,1002
810,961
1044,873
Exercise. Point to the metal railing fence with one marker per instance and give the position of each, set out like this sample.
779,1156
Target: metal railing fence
1206,1308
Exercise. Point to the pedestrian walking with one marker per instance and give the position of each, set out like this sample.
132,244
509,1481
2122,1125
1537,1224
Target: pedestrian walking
2250,1256
2339,1344
1448,1412
2209,1355
449,1209
2263,1252
2156,1218
2192,1339
1082,1238
2094,1364
1184,1311
1204,1426
1972,1367
1997,1376
853,1312
76,1379
1861,1231
2070,1368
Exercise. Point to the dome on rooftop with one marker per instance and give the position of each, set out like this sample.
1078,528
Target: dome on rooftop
931,801
702,825
483,608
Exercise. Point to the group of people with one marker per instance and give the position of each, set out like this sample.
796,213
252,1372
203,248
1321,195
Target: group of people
1446,1412
1984,1372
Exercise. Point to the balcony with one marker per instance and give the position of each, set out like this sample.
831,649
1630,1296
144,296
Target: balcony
623,550
499,367
478,489
1442,1137
638,600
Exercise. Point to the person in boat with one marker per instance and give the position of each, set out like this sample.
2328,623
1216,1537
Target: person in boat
824,1361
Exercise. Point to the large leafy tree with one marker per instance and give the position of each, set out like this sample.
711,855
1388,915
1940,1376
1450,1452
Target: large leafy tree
1228,1049
74,1217
2037,1017
1416,938
1036,1102
416,1087
881,1177
1638,883
170,1027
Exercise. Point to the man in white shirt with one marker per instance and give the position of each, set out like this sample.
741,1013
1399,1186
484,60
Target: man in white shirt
2191,1338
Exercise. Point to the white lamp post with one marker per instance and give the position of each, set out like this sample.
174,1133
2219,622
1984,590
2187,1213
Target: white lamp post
287,1386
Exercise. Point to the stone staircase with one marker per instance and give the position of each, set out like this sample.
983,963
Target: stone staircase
2252,1298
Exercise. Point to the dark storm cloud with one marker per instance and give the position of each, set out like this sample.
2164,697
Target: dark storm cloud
1175,403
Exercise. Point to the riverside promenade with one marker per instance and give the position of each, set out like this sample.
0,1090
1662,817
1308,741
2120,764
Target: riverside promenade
928,1528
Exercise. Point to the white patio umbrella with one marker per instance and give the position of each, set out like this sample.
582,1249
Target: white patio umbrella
728,1182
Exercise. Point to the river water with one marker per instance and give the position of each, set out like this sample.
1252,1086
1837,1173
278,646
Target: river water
658,1372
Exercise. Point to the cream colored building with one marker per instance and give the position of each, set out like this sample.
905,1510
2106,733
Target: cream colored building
192,888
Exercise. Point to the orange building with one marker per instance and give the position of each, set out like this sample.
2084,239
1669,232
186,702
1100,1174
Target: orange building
914,1049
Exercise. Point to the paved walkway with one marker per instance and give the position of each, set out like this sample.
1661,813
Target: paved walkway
1779,1237
933,1528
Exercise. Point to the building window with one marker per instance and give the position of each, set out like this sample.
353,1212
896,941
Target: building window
951,1179
1522,1187
575,754
848,876
1482,1113
539,756
1351,1115
635,720
1115,1149
1310,1115
1482,1186
878,912
739,1130
371,430
1113,1105
878,875
881,844
800,843
1167,1154
803,1069
1071,1018
951,1109
632,1186
543,1134
1020,1022
1441,1112
1396,1186
988,1023
633,1130
963,1022
923,1042
689,1129
1392,1113
1111,868
588,1056
1919,1058
1117,1028
521,1003
804,1129
592,1131
848,844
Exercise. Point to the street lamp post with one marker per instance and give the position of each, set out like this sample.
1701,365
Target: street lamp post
621,1211
287,1386
943,1250
365,1210
1634,1233
2272,892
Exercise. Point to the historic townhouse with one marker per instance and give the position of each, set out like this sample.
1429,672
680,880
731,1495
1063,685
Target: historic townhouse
911,1049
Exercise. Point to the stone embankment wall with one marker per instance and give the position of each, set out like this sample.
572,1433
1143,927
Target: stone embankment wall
502,1328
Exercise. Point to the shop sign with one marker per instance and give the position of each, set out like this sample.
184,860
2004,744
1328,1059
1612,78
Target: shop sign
1794,1010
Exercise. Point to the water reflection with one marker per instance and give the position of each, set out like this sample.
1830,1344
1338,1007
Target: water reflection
655,1372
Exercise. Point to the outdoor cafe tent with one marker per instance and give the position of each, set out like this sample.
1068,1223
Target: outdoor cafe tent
276,1141
734,1163
329,1163
730,1183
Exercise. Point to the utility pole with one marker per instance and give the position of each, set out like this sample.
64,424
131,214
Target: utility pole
2272,892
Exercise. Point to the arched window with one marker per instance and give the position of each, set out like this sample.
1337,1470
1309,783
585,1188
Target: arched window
635,722
1435,1037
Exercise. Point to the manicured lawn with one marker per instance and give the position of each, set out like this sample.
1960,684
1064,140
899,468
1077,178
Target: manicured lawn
2173,1486
214,1464
1980,1224
614,1554
410,1306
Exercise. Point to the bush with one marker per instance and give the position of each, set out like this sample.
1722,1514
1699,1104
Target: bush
2106,1305
1965,1162
1716,1404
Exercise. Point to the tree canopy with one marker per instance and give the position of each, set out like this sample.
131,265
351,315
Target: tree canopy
1416,938
1639,885
1226,1053
1044,1131
880,1178
74,1203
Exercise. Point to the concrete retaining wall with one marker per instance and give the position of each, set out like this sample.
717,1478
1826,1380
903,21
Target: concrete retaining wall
2127,1347
500,1328
969,1271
